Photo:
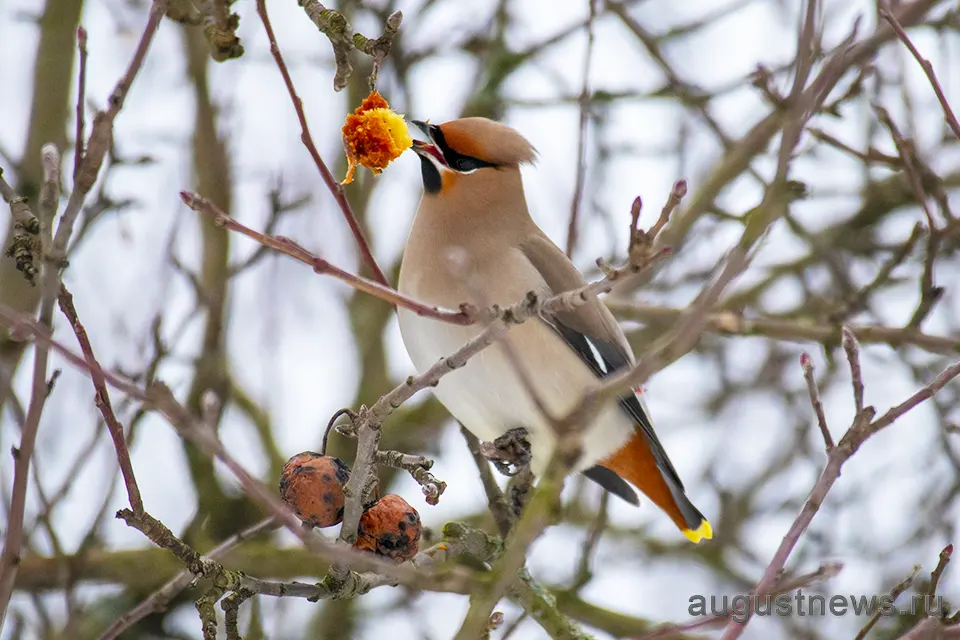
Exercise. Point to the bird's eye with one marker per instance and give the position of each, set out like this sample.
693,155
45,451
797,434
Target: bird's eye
465,164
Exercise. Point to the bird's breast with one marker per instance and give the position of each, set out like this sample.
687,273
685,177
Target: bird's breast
488,396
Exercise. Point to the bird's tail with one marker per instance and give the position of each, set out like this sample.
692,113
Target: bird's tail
635,463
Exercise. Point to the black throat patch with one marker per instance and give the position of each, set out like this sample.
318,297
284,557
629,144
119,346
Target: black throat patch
431,176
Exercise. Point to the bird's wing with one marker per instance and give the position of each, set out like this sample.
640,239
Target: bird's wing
594,334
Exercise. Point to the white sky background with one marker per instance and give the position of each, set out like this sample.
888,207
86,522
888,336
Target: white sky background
289,343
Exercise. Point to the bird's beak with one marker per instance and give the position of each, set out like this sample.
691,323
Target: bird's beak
427,149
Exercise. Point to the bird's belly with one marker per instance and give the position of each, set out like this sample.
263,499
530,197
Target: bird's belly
488,397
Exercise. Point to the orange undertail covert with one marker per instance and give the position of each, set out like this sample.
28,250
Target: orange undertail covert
636,463
373,136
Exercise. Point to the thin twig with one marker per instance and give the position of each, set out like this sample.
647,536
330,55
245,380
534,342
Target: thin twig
158,397
231,611
895,593
932,629
81,99
907,152
380,48
923,394
294,250
326,432
419,469
40,388
937,573
689,327
806,362
335,188
859,432
733,323
102,400
668,631
572,231
160,599
869,156
925,64
584,573
852,348
645,241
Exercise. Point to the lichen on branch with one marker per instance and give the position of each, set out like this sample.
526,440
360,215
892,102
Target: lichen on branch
337,28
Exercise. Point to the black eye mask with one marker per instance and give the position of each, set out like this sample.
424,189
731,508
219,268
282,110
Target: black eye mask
456,161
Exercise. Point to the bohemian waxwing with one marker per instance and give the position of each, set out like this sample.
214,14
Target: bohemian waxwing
474,212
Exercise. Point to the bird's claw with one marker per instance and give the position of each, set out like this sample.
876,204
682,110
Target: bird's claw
510,453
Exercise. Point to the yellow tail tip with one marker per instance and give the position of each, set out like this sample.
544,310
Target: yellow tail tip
703,532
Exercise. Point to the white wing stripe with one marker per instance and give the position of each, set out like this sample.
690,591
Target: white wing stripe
601,363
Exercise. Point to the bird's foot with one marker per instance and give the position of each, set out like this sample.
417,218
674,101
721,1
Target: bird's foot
510,453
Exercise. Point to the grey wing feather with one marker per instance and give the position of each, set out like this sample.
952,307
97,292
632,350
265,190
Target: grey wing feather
594,334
